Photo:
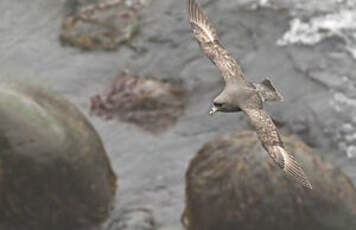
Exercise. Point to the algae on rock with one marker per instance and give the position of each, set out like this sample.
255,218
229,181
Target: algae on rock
231,183
54,171
149,103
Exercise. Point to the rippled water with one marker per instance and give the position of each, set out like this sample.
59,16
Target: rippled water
151,168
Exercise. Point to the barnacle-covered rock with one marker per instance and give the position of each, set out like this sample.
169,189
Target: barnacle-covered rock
54,171
100,24
231,183
149,103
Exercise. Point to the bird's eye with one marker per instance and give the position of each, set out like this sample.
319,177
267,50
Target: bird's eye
216,104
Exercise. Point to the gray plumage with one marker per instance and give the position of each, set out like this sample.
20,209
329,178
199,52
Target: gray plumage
239,94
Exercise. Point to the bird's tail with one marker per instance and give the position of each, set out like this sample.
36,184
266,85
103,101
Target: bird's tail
267,91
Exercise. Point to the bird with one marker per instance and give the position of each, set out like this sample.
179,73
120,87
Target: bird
240,94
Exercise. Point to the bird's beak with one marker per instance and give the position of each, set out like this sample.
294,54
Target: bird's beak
213,110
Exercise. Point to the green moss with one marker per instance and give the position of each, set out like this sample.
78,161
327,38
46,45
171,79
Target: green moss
54,172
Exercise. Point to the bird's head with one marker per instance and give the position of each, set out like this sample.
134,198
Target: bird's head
222,103
217,106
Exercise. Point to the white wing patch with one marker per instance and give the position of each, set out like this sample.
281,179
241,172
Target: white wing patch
291,167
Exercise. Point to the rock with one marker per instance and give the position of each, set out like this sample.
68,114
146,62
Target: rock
100,24
231,183
149,103
55,173
165,47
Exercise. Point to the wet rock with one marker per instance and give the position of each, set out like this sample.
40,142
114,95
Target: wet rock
135,219
231,183
149,103
100,24
302,74
55,173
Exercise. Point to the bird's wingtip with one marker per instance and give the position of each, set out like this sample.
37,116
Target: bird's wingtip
293,169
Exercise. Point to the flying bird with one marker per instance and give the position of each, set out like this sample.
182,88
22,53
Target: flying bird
239,94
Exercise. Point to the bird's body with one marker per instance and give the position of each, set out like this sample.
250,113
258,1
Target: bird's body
240,94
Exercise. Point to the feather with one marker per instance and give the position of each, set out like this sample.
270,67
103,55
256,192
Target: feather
270,139
206,36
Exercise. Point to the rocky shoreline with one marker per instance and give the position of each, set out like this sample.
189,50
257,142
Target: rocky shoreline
317,82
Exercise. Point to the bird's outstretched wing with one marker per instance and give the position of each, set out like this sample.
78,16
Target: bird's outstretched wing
208,41
271,141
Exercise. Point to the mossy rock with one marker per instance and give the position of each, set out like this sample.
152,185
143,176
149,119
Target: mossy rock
54,171
98,24
232,184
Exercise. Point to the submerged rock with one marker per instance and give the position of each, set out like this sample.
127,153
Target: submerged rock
54,171
149,103
231,183
100,24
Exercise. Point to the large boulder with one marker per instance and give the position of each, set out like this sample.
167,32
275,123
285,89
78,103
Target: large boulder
54,171
232,184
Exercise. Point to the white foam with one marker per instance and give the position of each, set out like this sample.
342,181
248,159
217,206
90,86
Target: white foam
351,151
341,24
263,2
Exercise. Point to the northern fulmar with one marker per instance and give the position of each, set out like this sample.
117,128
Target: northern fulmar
239,94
